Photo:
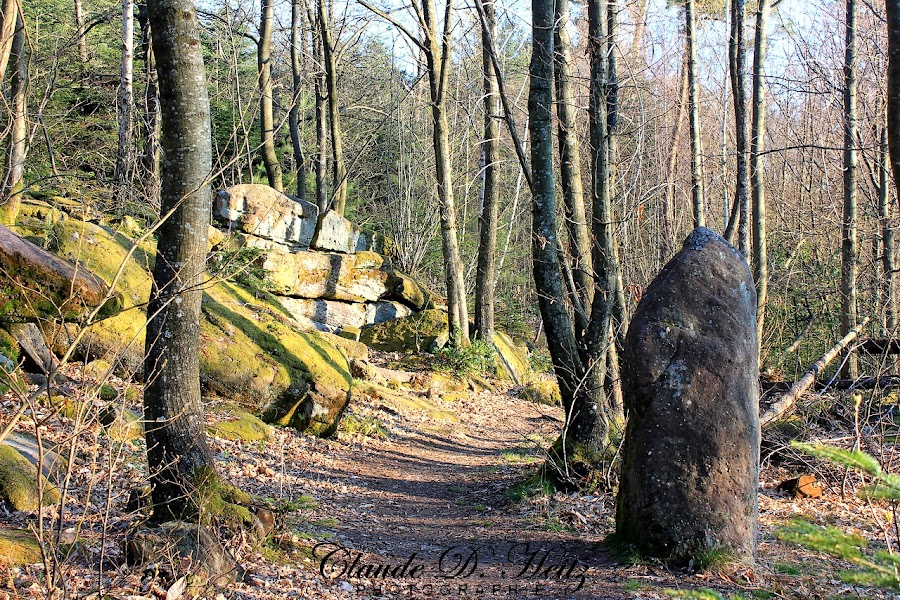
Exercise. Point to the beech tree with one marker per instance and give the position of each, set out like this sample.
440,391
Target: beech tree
178,454
266,115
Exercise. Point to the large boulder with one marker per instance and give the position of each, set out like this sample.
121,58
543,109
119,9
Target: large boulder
361,277
252,352
19,482
36,284
267,213
334,233
690,460
334,316
423,331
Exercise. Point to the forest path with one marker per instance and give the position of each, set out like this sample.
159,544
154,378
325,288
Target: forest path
435,491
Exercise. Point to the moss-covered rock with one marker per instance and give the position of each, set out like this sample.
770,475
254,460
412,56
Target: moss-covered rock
543,392
96,369
410,292
36,284
18,482
251,351
424,331
122,424
238,424
510,361
18,547
350,346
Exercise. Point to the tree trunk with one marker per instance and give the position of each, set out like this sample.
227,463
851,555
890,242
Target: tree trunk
266,116
738,71
321,118
8,18
486,275
150,156
888,261
177,451
126,99
611,92
757,177
18,140
690,51
547,273
893,87
437,57
849,250
668,245
338,169
296,89
81,38
570,162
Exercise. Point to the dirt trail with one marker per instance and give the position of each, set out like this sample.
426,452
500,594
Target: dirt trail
432,497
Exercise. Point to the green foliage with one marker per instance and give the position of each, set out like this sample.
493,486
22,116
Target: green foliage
540,360
536,485
240,266
877,569
366,426
475,359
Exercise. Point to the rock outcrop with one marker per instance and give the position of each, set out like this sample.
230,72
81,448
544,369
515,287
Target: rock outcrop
266,213
690,460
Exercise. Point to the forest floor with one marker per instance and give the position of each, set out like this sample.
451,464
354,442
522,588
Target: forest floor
423,494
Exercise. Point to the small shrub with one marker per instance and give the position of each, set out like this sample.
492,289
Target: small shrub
475,359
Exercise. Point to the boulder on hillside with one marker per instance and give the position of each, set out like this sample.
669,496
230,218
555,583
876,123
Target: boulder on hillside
36,284
251,350
334,316
19,482
264,212
511,361
18,547
334,233
361,277
690,459
423,331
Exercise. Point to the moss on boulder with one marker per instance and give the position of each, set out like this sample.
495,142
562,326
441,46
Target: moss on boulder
18,482
238,425
510,361
426,330
543,392
18,547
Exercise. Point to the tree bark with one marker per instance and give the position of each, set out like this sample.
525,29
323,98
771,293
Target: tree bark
437,53
486,275
18,139
888,261
150,156
319,86
690,50
546,269
81,38
668,241
849,250
177,449
297,89
266,115
757,177
570,162
8,18
737,67
338,169
893,87
126,99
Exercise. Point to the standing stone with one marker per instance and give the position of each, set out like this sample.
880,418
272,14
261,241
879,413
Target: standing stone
690,461
334,233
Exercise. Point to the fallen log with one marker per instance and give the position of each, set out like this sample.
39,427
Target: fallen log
786,402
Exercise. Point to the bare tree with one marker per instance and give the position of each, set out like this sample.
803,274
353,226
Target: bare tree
486,274
329,62
737,46
297,90
18,142
8,18
690,51
849,250
434,44
266,115
893,87
126,99
81,38
178,454
757,179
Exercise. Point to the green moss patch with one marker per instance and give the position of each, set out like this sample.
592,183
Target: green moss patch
239,425
426,330
18,547
18,482
543,392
